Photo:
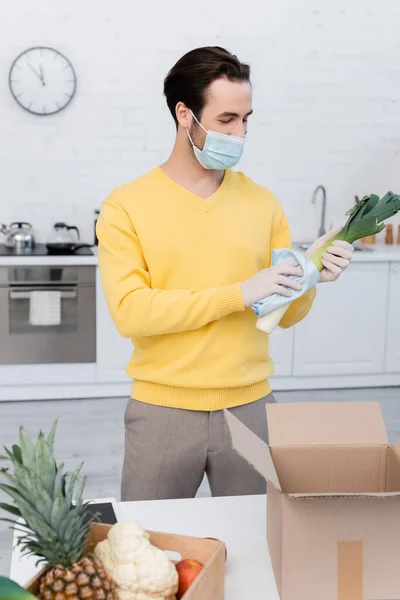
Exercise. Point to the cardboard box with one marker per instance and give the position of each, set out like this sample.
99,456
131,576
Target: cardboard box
333,487
211,553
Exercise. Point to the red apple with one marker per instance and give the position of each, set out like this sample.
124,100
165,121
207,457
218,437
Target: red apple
188,570
226,551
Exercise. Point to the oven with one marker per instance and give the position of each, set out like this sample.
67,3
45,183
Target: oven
60,330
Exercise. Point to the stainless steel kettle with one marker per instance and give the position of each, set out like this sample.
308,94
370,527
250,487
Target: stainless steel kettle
19,235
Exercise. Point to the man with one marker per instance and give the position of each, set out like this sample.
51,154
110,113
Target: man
184,251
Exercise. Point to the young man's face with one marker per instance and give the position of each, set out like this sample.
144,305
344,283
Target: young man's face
227,108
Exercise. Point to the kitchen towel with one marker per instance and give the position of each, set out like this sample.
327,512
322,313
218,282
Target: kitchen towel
308,280
45,308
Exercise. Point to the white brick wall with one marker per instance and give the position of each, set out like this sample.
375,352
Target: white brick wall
326,97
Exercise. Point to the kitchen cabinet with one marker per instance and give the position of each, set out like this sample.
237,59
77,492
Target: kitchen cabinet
113,351
281,351
345,332
392,354
351,338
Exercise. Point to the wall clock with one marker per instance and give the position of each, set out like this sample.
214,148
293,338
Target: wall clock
42,81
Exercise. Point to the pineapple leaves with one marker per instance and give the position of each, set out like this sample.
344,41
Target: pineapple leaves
11,509
27,450
14,492
58,486
59,511
10,455
51,437
72,483
28,488
79,497
45,464
13,523
51,517
17,454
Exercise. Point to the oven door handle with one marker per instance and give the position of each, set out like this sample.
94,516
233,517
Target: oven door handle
25,294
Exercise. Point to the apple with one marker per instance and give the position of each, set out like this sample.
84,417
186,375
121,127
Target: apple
217,540
188,569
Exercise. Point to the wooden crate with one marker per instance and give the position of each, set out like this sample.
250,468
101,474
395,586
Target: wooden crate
209,584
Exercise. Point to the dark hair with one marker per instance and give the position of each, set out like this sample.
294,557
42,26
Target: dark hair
190,77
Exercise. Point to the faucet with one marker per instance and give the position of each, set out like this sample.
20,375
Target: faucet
321,189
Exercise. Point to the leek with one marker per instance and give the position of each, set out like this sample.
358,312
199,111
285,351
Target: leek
365,218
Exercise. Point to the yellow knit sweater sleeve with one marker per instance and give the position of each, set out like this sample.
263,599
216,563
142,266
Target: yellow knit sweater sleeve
137,309
300,308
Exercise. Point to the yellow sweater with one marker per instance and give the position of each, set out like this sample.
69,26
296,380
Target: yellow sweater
171,265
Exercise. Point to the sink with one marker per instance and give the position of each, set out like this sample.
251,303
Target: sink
358,247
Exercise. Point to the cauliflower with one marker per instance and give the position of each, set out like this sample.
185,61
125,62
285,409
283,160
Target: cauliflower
139,570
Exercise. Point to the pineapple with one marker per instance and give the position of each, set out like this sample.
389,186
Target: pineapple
55,528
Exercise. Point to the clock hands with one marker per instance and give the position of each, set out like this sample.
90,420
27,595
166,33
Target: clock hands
32,68
40,74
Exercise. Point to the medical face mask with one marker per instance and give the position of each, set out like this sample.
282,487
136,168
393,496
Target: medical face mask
220,151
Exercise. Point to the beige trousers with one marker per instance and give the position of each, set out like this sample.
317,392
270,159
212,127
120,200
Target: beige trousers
168,450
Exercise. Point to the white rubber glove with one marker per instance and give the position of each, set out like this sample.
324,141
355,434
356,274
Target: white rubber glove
336,258
271,281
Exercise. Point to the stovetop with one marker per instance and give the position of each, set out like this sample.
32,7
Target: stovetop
41,250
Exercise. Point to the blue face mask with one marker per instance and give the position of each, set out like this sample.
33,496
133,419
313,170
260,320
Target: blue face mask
220,151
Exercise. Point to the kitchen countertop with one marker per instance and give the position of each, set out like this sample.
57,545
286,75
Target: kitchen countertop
239,521
379,253
51,260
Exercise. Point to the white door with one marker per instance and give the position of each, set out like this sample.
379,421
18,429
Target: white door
281,351
344,333
392,361
113,351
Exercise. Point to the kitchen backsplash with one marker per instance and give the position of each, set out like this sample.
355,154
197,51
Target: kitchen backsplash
44,216
326,107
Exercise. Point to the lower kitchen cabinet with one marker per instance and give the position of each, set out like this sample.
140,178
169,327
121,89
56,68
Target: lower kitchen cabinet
392,358
352,329
345,332
113,351
351,338
281,351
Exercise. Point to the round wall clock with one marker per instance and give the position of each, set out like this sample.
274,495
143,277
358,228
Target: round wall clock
42,81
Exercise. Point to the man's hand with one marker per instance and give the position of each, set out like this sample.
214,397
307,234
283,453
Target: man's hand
336,258
270,281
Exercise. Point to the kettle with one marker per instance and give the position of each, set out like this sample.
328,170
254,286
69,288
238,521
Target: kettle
19,235
61,235
62,241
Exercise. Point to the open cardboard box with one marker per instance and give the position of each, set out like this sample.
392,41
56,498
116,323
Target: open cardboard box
333,486
211,553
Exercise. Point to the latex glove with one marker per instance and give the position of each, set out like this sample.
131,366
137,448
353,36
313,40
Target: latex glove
271,281
336,258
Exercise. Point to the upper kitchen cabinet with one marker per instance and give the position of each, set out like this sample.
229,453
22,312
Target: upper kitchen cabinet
113,351
392,360
345,332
